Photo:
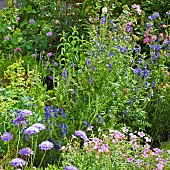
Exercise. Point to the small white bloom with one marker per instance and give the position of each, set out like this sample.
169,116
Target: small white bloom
104,10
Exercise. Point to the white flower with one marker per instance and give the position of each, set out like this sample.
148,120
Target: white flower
104,10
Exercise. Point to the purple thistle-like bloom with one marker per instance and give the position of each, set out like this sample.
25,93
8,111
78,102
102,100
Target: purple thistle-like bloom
17,49
26,152
70,168
46,145
81,134
49,54
7,136
31,130
6,38
26,112
39,126
32,21
19,120
17,162
49,34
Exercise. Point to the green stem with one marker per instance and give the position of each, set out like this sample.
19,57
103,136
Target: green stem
42,159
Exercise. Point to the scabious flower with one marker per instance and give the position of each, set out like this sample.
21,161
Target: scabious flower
19,120
7,136
26,151
17,162
26,112
46,145
33,55
49,34
70,168
81,134
39,126
31,130
32,21
6,38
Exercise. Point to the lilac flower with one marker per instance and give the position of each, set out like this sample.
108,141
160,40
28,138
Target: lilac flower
88,61
129,28
7,136
155,16
39,126
138,162
91,80
19,120
17,18
72,64
26,112
6,38
32,21
81,134
131,159
17,162
137,70
141,134
56,64
46,145
17,49
104,148
157,150
49,54
31,130
70,168
49,34
26,152
160,166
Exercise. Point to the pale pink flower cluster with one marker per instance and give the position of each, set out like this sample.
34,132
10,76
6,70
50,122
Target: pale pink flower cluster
137,8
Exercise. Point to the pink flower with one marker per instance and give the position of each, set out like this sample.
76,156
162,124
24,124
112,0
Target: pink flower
157,150
131,159
124,129
154,37
137,8
17,49
104,148
160,166
49,54
17,18
118,135
90,128
141,134
146,41
6,38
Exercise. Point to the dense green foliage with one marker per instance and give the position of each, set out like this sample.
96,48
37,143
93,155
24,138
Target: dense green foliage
82,64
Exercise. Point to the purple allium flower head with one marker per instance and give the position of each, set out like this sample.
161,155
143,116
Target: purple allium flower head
32,21
49,34
49,54
70,168
17,49
39,126
19,120
81,134
26,112
17,162
26,152
155,16
6,38
31,130
46,145
7,136
17,18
